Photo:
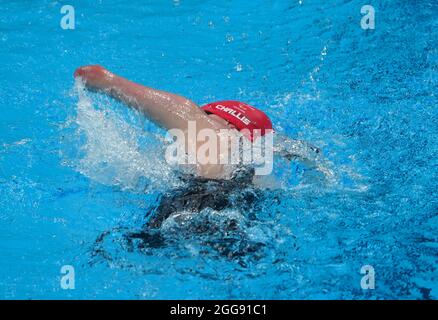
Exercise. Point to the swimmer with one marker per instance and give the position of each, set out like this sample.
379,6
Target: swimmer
172,111
211,184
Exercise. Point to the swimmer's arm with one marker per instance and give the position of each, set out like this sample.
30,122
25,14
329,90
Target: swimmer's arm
168,110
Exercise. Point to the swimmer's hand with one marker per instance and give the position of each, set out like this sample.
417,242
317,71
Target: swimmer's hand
95,77
300,150
304,152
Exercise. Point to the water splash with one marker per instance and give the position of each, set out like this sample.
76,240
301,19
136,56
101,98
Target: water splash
110,150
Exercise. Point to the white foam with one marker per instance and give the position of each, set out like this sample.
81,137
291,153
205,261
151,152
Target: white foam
110,150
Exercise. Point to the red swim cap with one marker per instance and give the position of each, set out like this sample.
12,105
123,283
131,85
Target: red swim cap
241,115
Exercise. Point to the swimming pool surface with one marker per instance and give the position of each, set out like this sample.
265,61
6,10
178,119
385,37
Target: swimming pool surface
74,166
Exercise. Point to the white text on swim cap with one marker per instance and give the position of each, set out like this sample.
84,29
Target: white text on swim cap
239,116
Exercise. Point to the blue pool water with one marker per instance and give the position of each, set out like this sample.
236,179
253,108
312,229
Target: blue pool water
73,167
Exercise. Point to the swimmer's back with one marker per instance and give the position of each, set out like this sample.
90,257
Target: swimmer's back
201,193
